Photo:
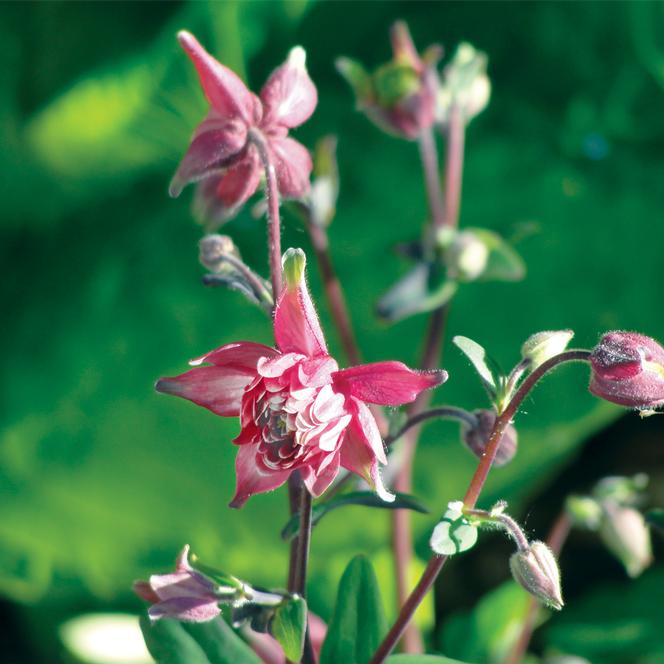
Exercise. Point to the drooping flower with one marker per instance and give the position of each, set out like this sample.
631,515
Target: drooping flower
400,96
628,369
223,154
297,410
185,595
536,570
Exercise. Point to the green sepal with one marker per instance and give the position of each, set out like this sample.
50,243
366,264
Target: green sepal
503,263
289,627
357,77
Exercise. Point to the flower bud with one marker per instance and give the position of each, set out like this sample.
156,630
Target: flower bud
624,532
466,256
628,369
293,264
400,96
542,346
536,570
465,85
213,251
476,437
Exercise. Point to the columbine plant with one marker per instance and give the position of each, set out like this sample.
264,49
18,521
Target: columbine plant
303,420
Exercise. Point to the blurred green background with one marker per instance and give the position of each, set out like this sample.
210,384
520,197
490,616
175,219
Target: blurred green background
102,480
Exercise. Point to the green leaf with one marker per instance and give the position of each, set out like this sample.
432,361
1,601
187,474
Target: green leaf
453,534
486,367
212,642
487,633
366,498
289,626
504,263
421,659
358,623
169,643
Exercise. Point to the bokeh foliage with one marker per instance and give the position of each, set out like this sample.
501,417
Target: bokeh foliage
101,480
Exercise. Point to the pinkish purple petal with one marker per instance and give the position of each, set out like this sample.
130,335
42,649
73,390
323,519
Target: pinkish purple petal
223,88
242,355
289,95
218,389
215,141
296,325
293,167
365,424
219,198
318,481
186,609
386,383
253,477
357,457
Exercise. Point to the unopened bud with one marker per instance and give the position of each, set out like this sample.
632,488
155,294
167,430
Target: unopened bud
542,346
625,533
536,570
293,264
465,85
466,256
628,369
584,511
476,437
213,252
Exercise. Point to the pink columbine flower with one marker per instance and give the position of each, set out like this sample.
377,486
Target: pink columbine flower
223,152
297,410
185,594
628,369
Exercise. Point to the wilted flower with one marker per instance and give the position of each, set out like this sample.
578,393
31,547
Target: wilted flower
476,437
223,153
400,96
536,570
628,369
298,411
185,595
625,533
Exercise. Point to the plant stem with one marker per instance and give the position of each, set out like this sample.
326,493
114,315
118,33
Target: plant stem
436,562
333,291
556,539
429,157
454,166
448,412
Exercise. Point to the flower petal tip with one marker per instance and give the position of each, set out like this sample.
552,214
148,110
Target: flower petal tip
297,57
168,386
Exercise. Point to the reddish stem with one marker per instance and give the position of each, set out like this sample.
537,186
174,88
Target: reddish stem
436,562
454,166
556,539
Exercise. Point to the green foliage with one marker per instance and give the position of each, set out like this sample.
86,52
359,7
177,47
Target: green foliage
289,627
364,498
358,623
421,659
487,633
213,642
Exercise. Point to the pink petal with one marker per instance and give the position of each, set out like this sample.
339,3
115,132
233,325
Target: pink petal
293,167
386,383
144,590
318,482
296,326
186,609
289,95
218,389
357,457
252,476
365,424
224,89
215,141
242,354
219,198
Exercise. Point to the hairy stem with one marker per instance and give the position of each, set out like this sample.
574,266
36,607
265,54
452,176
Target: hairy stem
447,412
556,539
436,562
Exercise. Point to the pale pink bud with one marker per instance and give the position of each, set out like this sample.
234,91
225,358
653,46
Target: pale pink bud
536,570
476,437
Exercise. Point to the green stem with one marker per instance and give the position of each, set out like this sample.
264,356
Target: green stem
436,562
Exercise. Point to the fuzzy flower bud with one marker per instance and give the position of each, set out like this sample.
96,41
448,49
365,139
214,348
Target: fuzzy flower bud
213,250
400,96
466,256
628,369
536,570
624,532
476,437
465,85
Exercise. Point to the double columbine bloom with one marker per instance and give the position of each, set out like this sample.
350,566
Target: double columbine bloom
297,410
223,153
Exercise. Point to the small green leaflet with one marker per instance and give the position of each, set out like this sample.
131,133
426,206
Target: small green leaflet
289,626
487,368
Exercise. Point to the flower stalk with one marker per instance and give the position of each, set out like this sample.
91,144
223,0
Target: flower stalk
475,487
